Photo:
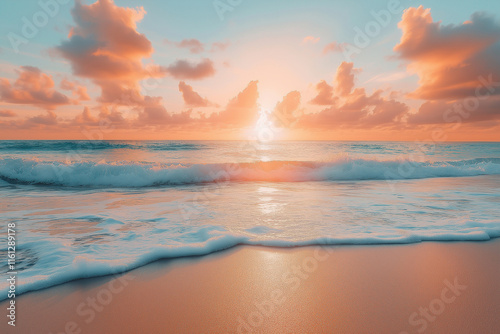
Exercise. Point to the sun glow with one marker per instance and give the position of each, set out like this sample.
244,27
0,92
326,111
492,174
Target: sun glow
264,130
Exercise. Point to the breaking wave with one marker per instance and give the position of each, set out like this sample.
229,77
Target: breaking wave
127,174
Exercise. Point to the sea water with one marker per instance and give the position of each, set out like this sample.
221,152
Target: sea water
85,209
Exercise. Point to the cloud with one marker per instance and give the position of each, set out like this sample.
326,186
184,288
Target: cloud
46,120
344,78
192,98
344,83
154,113
449,59
32,87
325,94
439,112
86,118
350,107
284,112
310,39
195,46
332,47
219,46
183,69
7,113
458,67
358,111
107,117
242,110
289,104
49,118
105,47
79,92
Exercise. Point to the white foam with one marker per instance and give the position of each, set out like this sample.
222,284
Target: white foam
59,263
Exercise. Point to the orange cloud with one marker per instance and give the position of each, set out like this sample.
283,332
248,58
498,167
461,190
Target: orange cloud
106,47
86,118
344,78
243,110
325,94
458,66
310,39
79,92
436,112
351,108
192,98
154,113
285,111
449,59
32,87
7,113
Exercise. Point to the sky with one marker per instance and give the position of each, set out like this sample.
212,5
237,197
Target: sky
250,70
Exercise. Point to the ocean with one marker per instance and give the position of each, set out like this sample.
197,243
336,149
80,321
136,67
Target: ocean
85,209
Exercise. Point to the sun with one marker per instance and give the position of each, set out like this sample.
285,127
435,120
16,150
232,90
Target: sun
264,130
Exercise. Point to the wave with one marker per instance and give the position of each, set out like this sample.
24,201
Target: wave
82,146
126,174
217,239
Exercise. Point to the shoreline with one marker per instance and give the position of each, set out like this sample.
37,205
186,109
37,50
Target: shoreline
228,249
247,289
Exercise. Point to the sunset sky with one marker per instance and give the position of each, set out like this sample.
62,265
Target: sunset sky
315,70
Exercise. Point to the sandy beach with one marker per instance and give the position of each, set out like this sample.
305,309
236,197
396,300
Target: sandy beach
429,287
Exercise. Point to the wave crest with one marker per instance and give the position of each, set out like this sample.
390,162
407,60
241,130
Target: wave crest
127,174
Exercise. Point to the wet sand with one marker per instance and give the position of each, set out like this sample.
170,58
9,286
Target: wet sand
429,287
